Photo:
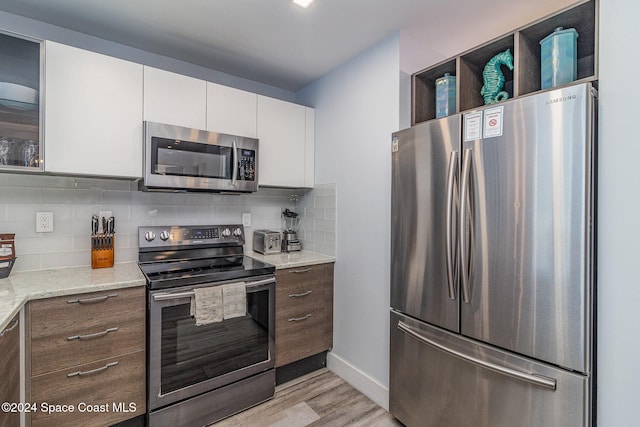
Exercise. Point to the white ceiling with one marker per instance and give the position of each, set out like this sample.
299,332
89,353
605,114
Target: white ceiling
271,41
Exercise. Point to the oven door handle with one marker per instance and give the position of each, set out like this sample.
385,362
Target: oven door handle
189,294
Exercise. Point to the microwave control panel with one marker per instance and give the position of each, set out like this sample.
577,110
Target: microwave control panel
247,166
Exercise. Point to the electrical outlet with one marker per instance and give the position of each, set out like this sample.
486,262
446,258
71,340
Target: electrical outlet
44,222
246,219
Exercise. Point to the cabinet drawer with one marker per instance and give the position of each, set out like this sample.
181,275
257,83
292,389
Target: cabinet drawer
118,384
299,336
76,347
295,300
66,314
293,280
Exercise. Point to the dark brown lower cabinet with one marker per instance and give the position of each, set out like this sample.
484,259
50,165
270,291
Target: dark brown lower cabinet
304,312
86,358
10,371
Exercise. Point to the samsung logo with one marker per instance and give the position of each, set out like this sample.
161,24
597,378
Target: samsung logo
561,99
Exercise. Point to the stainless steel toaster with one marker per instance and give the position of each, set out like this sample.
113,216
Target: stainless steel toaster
267,241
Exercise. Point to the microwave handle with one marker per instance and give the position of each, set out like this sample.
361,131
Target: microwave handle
234,174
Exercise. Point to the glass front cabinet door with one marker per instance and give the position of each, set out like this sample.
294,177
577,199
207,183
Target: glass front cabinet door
20,104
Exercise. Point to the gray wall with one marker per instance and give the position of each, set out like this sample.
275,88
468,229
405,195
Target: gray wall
356,111
618,213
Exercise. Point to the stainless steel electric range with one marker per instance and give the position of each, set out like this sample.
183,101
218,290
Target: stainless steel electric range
198,374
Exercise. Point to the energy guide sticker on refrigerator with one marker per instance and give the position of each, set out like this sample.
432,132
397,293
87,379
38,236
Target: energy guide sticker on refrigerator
492,284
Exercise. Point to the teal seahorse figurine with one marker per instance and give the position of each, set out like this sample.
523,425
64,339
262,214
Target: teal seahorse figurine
494,79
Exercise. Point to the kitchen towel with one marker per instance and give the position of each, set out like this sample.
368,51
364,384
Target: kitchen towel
234,300
206,305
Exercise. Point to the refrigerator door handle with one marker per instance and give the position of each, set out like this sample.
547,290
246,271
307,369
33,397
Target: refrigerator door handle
534,379
464,196
450,246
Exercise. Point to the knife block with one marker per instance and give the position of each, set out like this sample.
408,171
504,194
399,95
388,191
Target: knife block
102,250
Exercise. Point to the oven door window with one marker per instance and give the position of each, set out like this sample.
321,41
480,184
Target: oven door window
192,354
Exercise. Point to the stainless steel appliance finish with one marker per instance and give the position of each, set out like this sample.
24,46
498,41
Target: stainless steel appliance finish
214,355
266,241
176,158
460,382
290,241
188,362
493,241
419,217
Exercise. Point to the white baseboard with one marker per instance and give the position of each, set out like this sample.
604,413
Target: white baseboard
359,380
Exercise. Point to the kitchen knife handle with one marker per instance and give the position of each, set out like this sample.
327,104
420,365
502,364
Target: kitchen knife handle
462,217
234,175
531,378
450,245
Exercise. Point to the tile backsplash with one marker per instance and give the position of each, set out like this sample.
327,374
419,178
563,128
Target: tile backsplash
318,225
73,200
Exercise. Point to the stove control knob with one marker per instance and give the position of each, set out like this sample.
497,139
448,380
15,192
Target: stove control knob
149,236
164,235
237,232
226,232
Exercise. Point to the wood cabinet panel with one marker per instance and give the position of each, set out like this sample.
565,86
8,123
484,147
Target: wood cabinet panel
328,306
54,316
304,322
300,336
10,371
524,44
107,348
121,382
61,351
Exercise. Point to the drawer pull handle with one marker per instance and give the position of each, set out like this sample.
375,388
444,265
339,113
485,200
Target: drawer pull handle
91,300
93,371
92,336
303,294
306,270
9,328
298,319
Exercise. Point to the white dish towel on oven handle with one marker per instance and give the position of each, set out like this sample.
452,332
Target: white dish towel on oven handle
234,300
207,306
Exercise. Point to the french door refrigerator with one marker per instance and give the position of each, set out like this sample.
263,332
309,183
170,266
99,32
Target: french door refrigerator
492,254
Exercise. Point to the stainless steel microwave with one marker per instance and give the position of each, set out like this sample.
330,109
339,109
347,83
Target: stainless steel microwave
183,159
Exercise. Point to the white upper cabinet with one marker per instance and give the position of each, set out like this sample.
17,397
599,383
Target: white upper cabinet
93,113
174,99
285,131
309,148
231,110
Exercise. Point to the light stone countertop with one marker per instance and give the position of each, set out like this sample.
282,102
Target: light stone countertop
21,287
292,259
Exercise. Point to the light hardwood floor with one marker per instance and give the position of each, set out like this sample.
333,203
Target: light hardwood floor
320,398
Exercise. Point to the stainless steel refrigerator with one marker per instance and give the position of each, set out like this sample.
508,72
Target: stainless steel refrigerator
492,255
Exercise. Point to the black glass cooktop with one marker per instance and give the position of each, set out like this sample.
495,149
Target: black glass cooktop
171,274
